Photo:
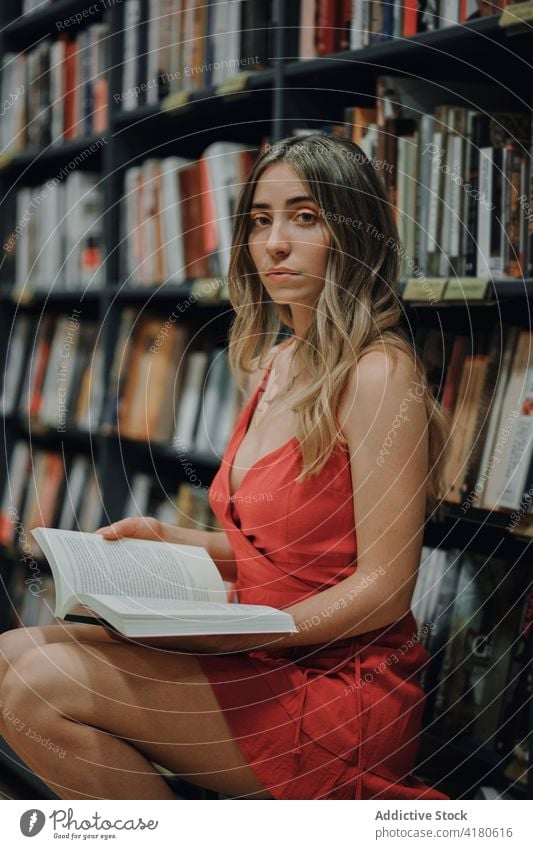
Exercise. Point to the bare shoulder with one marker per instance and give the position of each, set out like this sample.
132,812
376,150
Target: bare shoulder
377,382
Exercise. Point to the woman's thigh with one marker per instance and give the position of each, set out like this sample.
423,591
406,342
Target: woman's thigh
158,701
14,643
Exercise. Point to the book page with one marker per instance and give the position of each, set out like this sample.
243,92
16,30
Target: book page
132,567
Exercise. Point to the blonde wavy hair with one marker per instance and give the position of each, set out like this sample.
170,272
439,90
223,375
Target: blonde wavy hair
358,309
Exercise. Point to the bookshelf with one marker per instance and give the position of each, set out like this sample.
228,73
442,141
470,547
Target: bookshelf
290,94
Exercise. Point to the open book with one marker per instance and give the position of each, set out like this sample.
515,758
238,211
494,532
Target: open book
147,589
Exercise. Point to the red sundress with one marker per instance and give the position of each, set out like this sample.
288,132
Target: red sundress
339,721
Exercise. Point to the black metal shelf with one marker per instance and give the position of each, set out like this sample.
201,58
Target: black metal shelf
464,38
444,762
25,29
29,158
500,291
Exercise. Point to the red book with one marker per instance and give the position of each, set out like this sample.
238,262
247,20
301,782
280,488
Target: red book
344,25
70,90
326,27
410,18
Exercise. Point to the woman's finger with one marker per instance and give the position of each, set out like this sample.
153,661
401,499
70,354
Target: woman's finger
141,527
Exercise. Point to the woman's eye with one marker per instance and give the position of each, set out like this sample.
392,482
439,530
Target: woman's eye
306,218
311,217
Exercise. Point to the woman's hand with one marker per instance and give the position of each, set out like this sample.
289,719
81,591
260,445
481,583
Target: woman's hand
147,527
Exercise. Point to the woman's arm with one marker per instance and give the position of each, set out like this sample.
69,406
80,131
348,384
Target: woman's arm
384,421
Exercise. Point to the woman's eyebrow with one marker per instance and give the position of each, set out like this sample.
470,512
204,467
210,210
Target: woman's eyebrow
288,202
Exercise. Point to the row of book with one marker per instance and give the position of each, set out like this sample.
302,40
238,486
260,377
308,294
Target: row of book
163,386
69,498
485,384
44,488
186,45
475,618
62,90
330,26
176,214
54,372
57,240
459,179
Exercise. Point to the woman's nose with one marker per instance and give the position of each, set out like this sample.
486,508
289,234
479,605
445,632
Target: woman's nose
277,238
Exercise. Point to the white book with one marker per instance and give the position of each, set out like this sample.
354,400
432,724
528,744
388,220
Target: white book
137,502
189,403
484,213
435,175
17,354
226,40
495,412
427,126
208,421
188,13
57,97
521,447
56,367
74,489
516,392
83,222
154,24
132,18
224,176
143,588
454,197
98,385
226,416
19,467
91,506
49,271
306,44
357,27
133,225
173,244
22,252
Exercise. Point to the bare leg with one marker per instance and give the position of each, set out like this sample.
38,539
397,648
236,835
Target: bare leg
106,712
14,643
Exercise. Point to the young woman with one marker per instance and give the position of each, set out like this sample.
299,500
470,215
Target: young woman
322,495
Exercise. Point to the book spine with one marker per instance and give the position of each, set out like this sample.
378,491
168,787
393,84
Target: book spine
325,32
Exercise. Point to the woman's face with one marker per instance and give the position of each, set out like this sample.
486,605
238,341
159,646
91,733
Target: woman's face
287,231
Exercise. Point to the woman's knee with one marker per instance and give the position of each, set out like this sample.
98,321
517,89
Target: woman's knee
28,683
15,643
12,645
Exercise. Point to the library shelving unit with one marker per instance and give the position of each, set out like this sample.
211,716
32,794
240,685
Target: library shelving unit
268,104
